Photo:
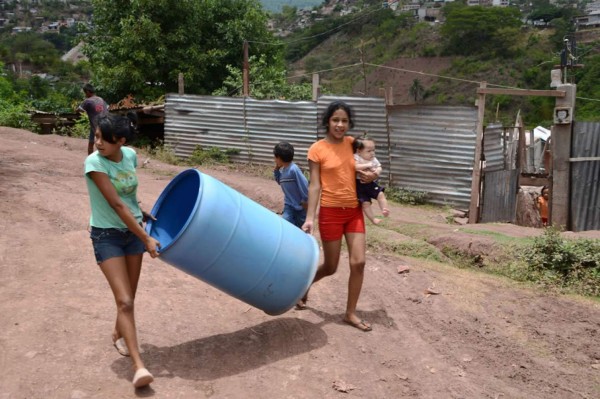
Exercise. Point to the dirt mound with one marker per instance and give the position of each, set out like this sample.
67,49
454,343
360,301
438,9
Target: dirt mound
400,74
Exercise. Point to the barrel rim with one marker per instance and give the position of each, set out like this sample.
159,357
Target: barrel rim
164,195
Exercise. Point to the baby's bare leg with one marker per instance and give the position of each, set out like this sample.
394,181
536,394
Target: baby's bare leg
383,204
368,210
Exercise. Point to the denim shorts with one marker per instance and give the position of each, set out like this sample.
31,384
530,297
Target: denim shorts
294,216
112,243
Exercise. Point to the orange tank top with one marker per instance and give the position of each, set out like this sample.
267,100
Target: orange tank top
336,161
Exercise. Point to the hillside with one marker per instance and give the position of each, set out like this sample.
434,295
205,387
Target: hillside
397,53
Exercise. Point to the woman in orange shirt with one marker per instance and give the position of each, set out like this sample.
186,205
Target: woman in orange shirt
333,184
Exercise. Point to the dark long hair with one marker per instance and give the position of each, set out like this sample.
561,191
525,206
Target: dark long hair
114,127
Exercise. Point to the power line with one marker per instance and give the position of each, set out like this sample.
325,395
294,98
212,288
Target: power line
325,70
588,99
425,74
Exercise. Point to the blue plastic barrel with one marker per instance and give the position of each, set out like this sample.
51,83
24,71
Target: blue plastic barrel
214,233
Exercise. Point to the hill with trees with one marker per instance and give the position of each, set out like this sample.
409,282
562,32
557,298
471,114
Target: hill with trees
357,53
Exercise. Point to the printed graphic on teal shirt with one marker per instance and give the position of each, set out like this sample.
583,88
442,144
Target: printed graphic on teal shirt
125,182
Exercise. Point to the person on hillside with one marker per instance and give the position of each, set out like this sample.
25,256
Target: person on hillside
293,184
333,185
117,235
94,106
365,160
542,205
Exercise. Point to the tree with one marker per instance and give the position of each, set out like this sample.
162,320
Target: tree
489,31
139,47
416,90
31,48
588,89
266,82
6,89
545,12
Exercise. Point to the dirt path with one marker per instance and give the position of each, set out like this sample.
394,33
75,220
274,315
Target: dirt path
481,337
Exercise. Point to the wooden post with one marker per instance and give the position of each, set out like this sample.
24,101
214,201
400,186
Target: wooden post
315,87
180,83
476,180
246,71
561,166
522,145
364,69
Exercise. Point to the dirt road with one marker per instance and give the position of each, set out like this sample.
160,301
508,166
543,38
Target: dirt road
480,337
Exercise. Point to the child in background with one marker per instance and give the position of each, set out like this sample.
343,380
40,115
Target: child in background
542,205
365,160
293,183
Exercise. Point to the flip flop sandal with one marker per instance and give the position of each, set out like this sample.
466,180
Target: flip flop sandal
361,325
121,346
301,304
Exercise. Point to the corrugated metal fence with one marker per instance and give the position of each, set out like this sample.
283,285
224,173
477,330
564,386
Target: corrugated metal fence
432,150
424,148
585,176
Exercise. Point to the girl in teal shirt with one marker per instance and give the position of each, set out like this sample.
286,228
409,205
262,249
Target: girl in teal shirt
118,238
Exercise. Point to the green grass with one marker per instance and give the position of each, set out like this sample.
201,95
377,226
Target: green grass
380,238
548,261
498,237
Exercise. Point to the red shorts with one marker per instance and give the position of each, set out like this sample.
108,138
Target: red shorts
335,222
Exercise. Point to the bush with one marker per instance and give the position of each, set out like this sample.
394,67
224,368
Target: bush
405,195
574,264
81,128
163,153
16,115
210,155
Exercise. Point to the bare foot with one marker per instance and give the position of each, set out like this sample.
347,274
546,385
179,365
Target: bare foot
376,221
385,212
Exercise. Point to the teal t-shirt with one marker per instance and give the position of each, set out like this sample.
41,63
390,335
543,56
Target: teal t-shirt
124,179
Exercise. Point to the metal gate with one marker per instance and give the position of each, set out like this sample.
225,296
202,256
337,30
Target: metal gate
500,177
499,196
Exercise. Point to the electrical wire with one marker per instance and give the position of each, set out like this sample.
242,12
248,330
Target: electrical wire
425,74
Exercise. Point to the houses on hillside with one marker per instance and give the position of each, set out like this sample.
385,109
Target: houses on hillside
425,11
27,16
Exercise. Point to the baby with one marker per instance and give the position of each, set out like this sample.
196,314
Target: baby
365,160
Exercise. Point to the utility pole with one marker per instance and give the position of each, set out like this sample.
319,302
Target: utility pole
246,71
316,90
568,57
180,84
364,69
